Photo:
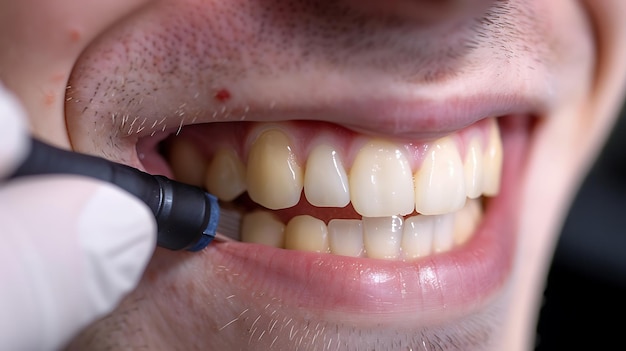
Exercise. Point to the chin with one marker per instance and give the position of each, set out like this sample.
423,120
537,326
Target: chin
397,183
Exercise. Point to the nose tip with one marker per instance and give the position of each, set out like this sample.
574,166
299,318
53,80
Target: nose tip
427,11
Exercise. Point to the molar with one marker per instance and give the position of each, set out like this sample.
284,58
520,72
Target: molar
275,180
440,182
325,179
381,182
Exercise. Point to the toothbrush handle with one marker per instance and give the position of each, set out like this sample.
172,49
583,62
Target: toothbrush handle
186,216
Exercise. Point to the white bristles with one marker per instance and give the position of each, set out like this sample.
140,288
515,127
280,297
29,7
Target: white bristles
228,225
223,238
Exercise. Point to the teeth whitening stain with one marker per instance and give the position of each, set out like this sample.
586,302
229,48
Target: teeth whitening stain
222,95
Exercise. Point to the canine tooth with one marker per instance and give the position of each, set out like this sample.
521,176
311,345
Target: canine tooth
443,233
187,164
325,179
382,236
346,237
274,178
466,220
225,175
306,233
262,227
493,161
381,183
473,169
417,236
440,183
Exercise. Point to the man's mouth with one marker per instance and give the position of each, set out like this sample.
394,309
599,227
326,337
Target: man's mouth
365,223
370,201
340,192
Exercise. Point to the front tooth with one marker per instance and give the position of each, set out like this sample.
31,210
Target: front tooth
382,236
493,161
440,183
306,233
381,183
274,177
346,237
187,164
225,175
417,236
325,179
473,169
262,227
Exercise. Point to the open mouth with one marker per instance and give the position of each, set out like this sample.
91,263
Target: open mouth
341,193
361,223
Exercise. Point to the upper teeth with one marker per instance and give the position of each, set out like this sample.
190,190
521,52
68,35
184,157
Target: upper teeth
274,177
381,181
384,182
325,179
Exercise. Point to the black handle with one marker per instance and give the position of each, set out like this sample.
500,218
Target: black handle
186,215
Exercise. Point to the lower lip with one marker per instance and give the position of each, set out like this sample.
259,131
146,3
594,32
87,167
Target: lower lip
456,282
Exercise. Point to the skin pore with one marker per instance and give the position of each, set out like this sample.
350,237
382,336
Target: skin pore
557,61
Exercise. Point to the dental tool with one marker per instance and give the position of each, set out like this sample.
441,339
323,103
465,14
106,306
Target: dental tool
187,216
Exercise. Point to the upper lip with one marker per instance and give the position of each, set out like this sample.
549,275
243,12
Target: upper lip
181,77
413,119
420,119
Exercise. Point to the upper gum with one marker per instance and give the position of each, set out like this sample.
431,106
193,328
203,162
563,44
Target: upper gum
306,135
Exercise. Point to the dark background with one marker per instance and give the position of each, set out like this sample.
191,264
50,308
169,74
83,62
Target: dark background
583,307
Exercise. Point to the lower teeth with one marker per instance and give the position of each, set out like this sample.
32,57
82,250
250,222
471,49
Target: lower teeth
393,238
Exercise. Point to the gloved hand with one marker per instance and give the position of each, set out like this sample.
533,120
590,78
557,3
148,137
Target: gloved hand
70,247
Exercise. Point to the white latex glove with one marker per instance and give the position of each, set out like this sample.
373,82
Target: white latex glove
70,247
